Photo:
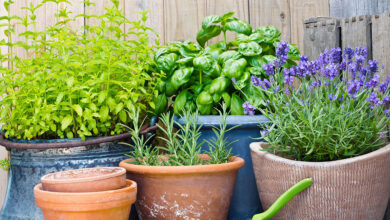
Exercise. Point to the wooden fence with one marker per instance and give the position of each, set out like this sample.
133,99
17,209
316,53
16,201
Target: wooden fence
371,31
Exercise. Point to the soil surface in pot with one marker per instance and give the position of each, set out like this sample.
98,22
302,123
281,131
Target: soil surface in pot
85,180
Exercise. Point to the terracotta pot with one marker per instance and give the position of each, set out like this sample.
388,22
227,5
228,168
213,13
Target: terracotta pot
85,180
112,204
184,192
354,188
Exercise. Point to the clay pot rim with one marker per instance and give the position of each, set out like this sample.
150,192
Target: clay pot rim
130,185
256,146
118,172
234,164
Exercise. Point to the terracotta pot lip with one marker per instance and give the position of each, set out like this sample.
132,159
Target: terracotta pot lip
235,164
256,146
130,185
118,171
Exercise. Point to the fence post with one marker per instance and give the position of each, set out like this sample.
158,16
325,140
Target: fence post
319,34
380,42
356,32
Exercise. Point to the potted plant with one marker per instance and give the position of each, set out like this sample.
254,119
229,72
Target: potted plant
62,105
333,127
199,76
178,181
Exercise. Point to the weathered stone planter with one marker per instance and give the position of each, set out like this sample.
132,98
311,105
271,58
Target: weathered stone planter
354,188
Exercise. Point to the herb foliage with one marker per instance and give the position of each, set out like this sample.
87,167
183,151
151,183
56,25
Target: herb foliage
75,83
182,147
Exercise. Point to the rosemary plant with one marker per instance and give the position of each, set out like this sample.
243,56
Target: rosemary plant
182,147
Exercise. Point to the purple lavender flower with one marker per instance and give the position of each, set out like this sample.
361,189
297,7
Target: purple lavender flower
304,58
326,57
288,80
359,62
343,65
265,132
363,71
255,80
383,87
335,55
287,91
353,88
316,83
348,53
276,89
332,97
234,80
385,100
373,82
388,80
265,84
387,112
310,88
331,71
382,134
248,108
362,51
269,68
373,66
352,70
282,49
373,99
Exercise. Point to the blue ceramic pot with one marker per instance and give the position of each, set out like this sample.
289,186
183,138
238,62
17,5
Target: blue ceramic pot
29,165
245,201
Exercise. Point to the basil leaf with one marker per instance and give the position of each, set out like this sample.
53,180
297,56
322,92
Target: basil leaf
206,34
238,26
249,49
210,20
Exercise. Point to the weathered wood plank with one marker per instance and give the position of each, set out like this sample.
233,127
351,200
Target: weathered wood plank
352,8
319,34
271,12
75,7
183,18
301,10
99,8
380,42
155,15
15,9
356,32
220,7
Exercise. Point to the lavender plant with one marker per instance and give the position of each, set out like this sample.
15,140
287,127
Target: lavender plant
337,109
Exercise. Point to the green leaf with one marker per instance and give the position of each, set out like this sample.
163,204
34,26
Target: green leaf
268,33
227,55
210,20
66,122
249,49
234,68
236,105
78,109
238,26
123,116
181,76
102,97
206,34
103,113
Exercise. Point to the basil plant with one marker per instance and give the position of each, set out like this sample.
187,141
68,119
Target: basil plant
196,76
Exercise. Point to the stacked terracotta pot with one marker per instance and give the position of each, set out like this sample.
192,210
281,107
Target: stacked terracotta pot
86,194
